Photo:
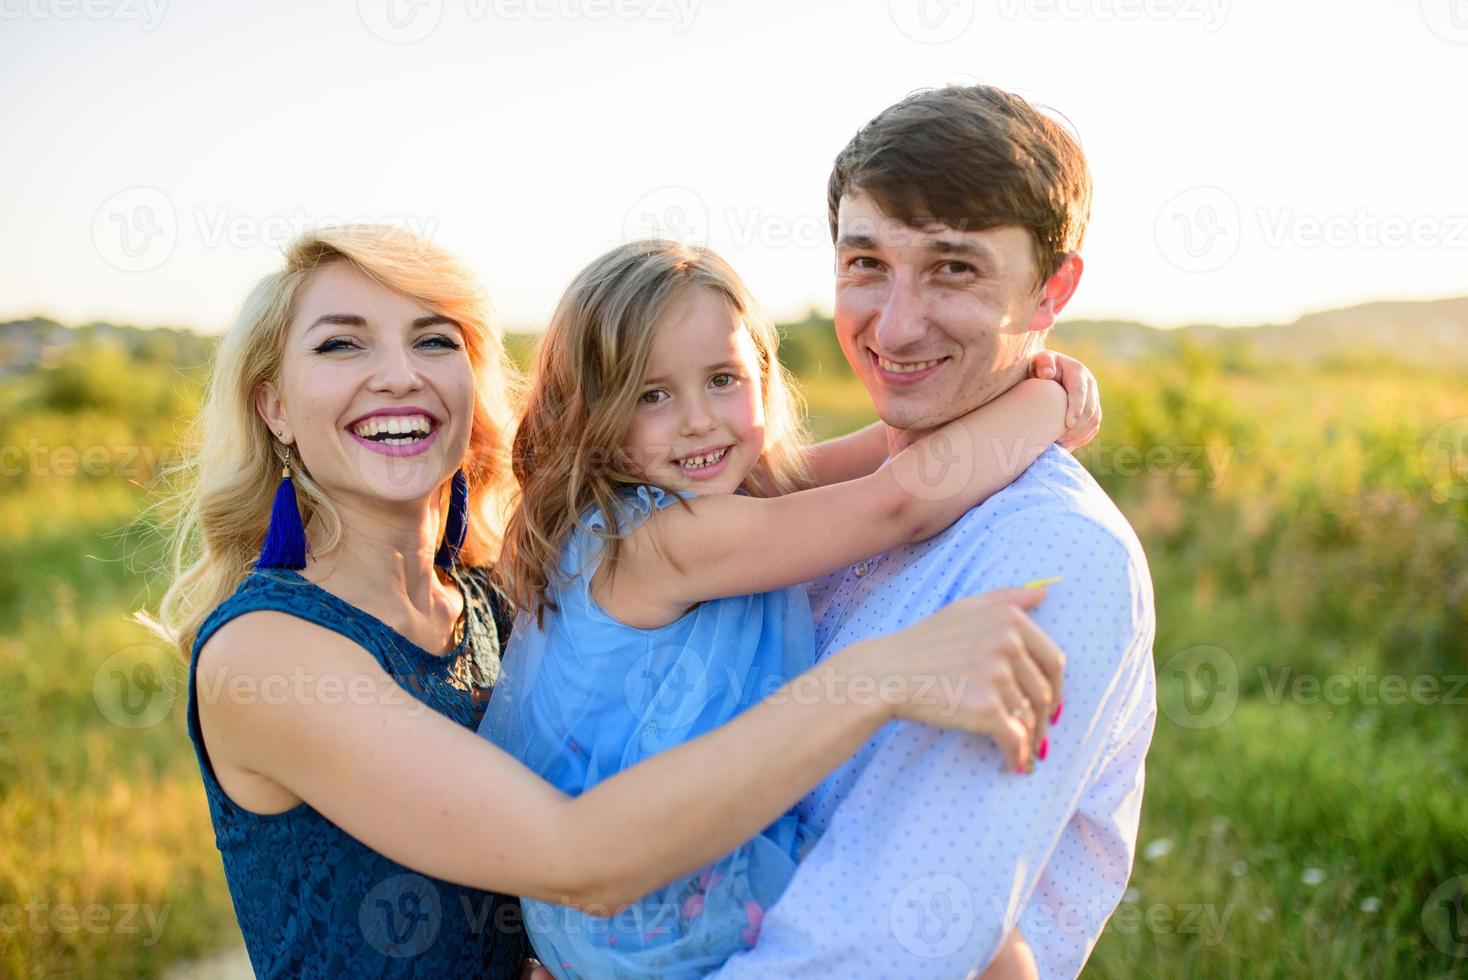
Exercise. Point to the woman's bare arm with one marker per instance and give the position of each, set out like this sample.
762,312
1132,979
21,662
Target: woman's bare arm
434,796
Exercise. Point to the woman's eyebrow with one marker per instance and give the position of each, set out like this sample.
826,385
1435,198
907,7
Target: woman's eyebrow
354,320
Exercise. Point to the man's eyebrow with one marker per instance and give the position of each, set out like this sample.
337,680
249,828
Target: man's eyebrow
354,320
950,246
721,366
856,241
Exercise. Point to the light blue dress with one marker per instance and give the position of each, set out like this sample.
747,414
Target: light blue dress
586,696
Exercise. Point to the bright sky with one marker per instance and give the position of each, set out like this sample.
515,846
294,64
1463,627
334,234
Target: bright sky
1254,159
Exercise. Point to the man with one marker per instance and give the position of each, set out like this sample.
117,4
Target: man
958,214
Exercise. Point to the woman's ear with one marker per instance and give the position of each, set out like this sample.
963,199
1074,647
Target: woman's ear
272,410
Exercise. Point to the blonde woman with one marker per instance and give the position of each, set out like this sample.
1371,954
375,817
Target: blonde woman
365,828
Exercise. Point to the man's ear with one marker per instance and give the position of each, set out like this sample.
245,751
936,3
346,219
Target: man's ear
272,410
1057,291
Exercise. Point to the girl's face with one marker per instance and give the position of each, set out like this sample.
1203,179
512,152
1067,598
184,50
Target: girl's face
376,392
700,422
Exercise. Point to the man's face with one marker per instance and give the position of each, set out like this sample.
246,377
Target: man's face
935,322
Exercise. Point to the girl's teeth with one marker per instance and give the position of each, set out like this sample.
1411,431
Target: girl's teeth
896,368
698,462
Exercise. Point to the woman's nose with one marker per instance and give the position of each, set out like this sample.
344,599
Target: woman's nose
396,372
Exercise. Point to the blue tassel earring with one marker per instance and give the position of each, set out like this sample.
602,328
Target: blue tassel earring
285,539
458,523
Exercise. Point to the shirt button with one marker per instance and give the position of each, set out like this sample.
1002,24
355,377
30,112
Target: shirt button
861,568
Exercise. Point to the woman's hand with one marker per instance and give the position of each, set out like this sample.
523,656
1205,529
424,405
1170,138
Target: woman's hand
979,665
1083,396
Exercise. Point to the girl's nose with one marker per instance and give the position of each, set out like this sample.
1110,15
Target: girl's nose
697,417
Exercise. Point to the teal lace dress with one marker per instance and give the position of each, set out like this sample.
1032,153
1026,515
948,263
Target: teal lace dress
313,901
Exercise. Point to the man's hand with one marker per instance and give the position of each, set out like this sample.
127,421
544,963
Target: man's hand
1083,395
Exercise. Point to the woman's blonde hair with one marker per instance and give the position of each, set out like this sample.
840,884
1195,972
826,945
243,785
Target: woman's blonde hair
588,376
227,477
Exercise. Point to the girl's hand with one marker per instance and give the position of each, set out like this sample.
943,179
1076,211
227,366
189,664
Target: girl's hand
978,665
1083,411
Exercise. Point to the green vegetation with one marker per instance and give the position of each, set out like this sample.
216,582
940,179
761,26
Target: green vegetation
1308,536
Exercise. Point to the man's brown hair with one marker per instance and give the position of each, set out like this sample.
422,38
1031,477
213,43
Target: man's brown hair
971,157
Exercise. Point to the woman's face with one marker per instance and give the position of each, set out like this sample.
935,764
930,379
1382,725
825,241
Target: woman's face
376,392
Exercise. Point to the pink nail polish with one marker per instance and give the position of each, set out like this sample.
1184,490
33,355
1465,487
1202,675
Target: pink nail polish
1044,749
1056,716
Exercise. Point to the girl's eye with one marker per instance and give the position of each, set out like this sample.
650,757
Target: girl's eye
652,397
723,380
334,344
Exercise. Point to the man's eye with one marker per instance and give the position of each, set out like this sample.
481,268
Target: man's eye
956,268
334,344
863,263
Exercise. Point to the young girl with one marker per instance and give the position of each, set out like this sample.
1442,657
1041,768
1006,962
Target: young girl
644,624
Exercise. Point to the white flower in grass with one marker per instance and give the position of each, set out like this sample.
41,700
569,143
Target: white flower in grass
1313,876
1372,904
1239,868
1159,848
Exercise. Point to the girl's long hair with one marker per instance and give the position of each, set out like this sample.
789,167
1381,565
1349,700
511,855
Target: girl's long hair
226,478
588,376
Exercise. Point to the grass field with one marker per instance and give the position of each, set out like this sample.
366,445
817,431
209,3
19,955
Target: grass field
1306,811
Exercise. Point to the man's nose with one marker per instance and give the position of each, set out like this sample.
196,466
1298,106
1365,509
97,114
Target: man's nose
902,317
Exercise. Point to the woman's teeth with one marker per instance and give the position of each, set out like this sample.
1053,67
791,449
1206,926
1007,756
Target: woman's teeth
394,430
699,462
896,368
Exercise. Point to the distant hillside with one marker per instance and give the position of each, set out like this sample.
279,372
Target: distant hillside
26,345
1427,334
1431,334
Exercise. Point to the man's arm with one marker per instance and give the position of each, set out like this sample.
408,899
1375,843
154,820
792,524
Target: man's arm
935,852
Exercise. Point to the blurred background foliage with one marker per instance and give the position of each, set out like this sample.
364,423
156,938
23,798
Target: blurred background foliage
1306,520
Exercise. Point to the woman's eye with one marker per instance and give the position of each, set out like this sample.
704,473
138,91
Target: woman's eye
441,342
334,344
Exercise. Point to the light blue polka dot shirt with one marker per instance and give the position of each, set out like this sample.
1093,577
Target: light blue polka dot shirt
931,851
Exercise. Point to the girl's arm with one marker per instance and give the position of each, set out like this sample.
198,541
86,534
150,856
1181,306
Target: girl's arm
730,545
436,797
860,453
848,457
